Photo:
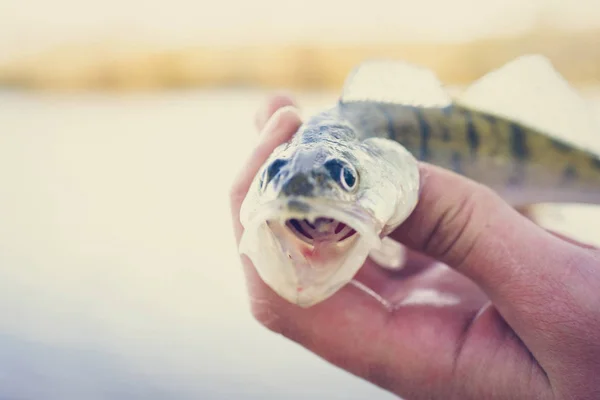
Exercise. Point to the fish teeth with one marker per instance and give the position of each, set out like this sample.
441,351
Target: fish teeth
312,219
341,234
325,225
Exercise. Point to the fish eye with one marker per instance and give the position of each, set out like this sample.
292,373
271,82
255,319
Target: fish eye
348,178
345,175
271,171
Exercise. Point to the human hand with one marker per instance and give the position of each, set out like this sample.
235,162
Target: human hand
509,311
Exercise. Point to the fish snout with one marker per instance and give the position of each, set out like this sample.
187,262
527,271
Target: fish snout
300,184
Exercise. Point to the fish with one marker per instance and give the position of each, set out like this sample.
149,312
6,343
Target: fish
327,199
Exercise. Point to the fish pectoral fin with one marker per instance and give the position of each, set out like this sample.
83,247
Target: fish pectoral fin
391,255
370,292
406,180
529,90
394,81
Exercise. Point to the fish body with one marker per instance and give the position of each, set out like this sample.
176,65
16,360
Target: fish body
521,163
323,201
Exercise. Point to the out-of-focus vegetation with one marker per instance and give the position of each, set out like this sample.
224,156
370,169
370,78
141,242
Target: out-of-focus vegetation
107,67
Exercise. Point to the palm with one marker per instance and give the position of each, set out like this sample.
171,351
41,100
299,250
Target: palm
443,322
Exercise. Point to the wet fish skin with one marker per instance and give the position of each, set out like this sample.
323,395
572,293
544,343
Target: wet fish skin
523,164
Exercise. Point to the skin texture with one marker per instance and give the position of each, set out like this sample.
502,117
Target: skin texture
517,311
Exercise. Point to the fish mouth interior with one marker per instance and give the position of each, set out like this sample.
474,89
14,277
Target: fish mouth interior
322,229
306,252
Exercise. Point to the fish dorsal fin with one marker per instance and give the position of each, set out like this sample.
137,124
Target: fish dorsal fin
530,91
390,81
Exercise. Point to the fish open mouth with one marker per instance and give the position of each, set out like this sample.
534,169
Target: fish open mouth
305,251
320,230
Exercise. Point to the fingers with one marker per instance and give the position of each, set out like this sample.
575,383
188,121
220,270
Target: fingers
276,121
526,271
282,122
274,103
280,128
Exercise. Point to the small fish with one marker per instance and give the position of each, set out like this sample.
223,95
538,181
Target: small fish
326,200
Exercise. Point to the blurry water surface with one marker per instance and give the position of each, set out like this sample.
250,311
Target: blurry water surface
119,276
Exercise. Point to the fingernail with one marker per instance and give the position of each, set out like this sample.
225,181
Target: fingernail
275,120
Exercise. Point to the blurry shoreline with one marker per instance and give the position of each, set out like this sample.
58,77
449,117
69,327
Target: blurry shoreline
106,67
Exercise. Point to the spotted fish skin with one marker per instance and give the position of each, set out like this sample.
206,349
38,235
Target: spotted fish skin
521,163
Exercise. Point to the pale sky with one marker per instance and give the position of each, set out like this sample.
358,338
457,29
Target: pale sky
28,26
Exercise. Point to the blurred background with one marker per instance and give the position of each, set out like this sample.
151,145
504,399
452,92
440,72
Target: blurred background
122,124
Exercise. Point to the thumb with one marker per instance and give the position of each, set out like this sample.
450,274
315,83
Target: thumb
521,267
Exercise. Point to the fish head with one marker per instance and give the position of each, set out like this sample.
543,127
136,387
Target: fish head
313,172
313,214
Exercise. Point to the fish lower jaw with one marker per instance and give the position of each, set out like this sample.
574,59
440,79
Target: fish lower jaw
305,272
307,256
